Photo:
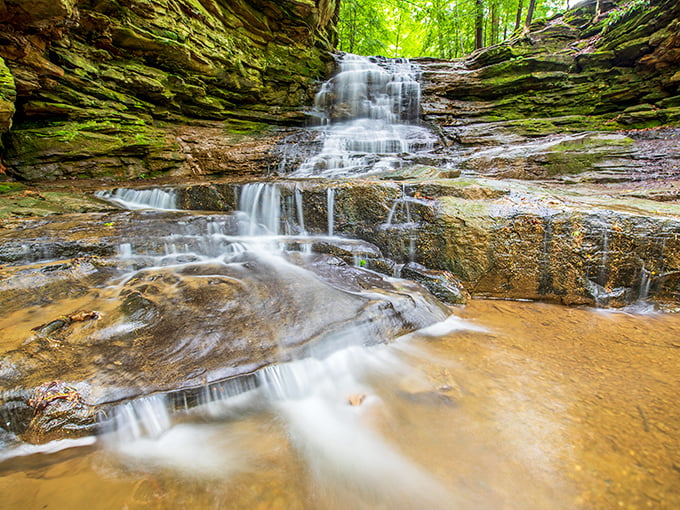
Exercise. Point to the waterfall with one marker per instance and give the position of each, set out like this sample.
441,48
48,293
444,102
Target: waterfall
143,417
403,217
300,211
262,204
330,195
645,283
156,198
369,114
604,270
402,203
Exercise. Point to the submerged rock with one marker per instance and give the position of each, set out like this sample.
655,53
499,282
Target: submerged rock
59,410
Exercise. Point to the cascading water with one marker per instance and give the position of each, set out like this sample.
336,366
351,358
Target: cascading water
155,198
289,398
330,208
370,116
308,394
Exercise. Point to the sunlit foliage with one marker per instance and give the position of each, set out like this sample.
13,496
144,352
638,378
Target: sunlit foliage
434,28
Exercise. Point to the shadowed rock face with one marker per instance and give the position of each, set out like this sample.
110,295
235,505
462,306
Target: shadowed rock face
101,89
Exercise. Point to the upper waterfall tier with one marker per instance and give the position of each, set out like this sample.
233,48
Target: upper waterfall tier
370,114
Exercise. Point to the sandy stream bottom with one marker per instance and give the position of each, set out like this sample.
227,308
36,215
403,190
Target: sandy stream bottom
517,406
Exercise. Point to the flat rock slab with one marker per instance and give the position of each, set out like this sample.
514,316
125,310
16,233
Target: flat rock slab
143,317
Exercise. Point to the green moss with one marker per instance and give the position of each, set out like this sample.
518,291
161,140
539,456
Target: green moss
81,140
10,187
175,62
455,207
7,88
244,127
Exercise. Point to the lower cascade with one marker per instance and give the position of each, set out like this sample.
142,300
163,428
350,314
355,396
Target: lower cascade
200,319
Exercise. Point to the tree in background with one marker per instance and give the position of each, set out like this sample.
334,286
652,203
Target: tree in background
530,13
362,28
518,18
479,24
434,28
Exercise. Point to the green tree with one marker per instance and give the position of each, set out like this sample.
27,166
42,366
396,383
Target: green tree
479,24
362,28
530,13
435,28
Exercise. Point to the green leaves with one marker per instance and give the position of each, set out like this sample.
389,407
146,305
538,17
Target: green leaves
428,28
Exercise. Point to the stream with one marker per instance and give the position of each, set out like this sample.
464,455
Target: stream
255,359
505,405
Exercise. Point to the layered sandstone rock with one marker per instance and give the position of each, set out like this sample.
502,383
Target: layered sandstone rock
104,88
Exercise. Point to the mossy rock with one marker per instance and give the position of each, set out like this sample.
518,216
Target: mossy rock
161,60
63,150
546,159
7,97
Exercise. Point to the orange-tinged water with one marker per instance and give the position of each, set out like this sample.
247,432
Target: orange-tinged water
539,407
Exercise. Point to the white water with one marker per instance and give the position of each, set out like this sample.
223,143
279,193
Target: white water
261,203
645,284
339,443
370,119
266,215
330,207
156,198
400,212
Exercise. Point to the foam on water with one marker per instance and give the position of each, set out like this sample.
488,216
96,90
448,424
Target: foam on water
309,398
25,449
450,325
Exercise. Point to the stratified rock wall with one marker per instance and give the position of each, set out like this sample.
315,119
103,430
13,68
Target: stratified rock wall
570,73
101,84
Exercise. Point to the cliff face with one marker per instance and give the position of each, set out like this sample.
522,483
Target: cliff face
101,86
140,88
572,72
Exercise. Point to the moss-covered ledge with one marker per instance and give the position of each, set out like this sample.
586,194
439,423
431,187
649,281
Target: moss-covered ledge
106,84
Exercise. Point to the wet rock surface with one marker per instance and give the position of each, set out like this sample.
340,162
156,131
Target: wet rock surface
596,244
126,315
493,210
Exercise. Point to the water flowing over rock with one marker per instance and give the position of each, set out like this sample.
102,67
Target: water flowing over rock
370,119
182,300
500,239
212,287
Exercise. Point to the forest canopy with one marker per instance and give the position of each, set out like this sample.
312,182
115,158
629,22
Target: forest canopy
434,28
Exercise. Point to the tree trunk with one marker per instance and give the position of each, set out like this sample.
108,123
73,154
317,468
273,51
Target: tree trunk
353,24
479,24
518,20
530,13
495,20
